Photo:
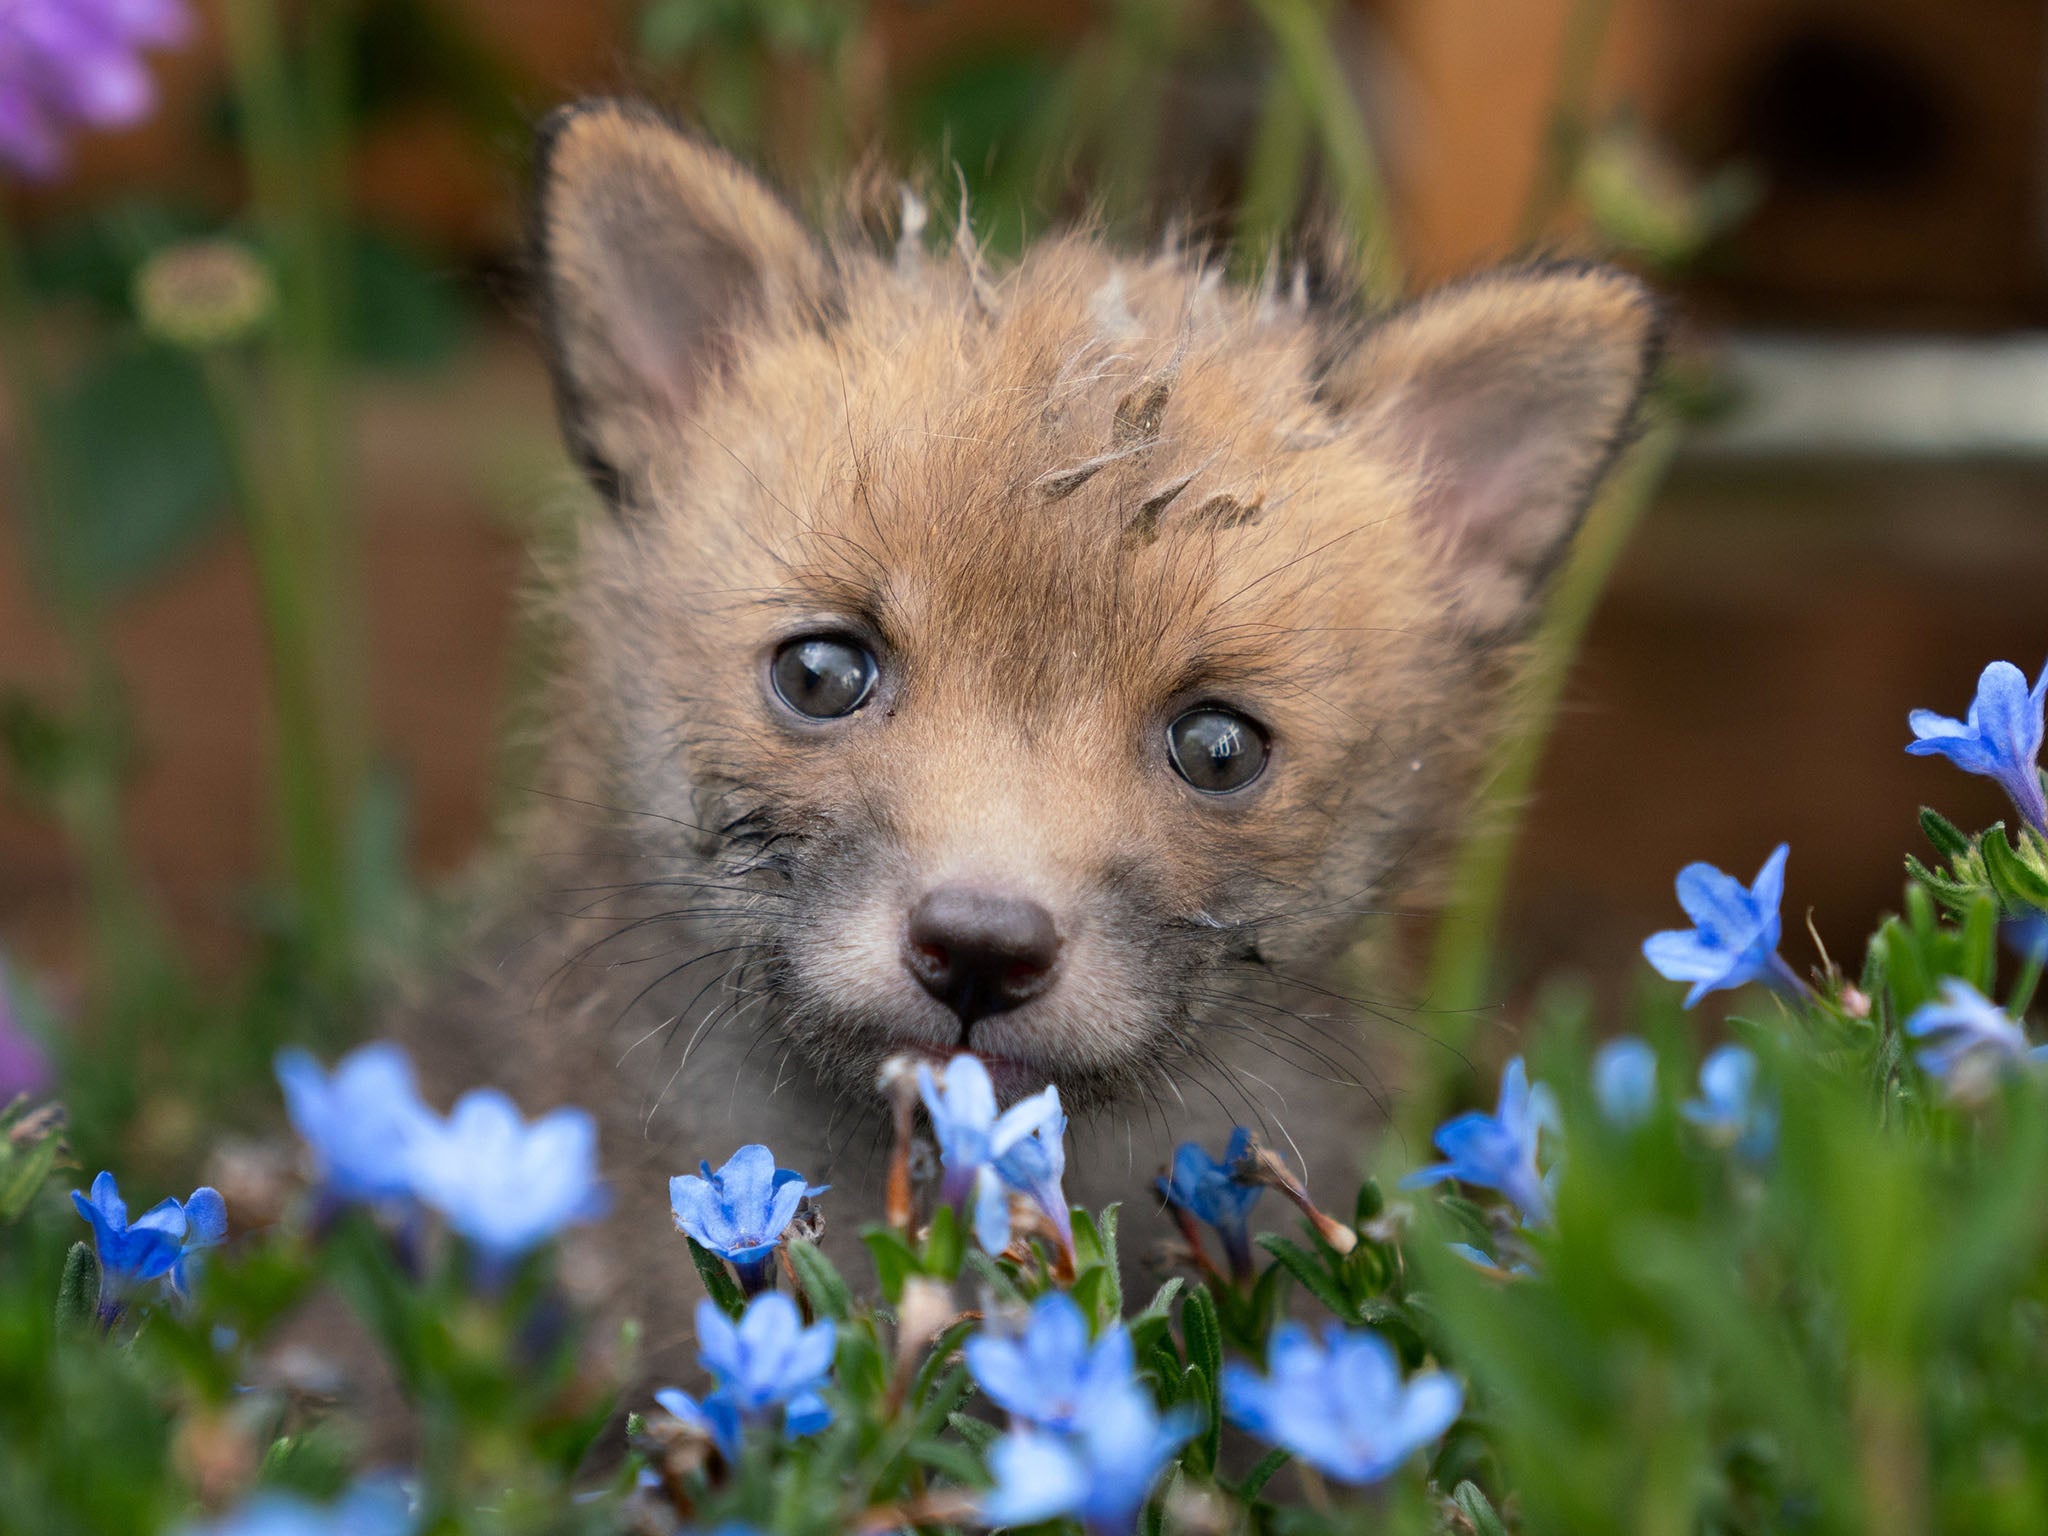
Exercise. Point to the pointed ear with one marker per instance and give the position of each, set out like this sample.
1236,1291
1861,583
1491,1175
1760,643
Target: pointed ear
653,252
1507,397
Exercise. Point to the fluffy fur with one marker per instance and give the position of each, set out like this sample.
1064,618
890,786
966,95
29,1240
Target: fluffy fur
1061,503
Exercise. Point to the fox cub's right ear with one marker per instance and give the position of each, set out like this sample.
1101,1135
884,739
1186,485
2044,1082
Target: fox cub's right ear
653,252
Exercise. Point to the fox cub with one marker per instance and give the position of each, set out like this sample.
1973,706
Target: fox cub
1052,663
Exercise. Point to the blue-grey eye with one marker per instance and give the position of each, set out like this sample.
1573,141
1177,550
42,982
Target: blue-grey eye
823,676
1217,750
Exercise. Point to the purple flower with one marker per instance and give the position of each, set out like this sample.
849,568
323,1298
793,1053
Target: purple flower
768,1363
2000,738
1210,1190
1729,1109
1498,1151
1098,1472
362,1122
739,1212
76,62
1734,939
1340,1405
1966,1031
161,1244
1625,1081
1051,1372
24,1068
503,1184
1035,1167
974,1142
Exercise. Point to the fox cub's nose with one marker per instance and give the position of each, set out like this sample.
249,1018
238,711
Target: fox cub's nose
980,952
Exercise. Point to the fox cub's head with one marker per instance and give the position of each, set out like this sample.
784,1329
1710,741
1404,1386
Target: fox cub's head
1026,661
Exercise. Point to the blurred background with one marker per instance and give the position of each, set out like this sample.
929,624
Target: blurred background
279,438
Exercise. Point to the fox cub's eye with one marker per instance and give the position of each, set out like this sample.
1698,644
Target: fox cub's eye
1216,750
823,676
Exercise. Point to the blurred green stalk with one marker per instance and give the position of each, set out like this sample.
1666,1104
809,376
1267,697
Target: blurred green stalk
1301,32
296,500
1461,969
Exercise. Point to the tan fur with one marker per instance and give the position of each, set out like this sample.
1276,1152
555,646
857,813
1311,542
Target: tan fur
1063,502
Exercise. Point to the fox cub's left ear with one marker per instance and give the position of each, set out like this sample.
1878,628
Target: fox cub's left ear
655,254
1507,397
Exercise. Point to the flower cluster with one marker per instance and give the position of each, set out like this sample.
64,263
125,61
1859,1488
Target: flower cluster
1339,1403
501,1183
767,1365
987,1155
1086,1440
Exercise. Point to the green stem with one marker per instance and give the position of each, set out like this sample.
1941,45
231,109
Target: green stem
295,495
1569,123
2025,984
1302,35
1274,177
1461,972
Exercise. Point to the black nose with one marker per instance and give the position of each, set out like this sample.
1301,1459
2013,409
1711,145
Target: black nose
979,952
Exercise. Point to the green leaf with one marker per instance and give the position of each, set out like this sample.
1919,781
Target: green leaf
1091,1293
1371,1201
1204,1335
1197,1386
945,1245
1945,836
821,1280
1106,1228
408,316
998,1279
1479,1510
958,1462
895,1260
1255,1481
78,1293
2019,887
1310,1271
719,1284
1979,951
152,469
978,1433
25,1169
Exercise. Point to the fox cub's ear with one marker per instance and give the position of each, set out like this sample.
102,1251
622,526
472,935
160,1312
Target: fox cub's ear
652,251
1509,395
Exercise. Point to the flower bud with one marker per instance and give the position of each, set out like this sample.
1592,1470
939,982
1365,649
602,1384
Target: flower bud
204,294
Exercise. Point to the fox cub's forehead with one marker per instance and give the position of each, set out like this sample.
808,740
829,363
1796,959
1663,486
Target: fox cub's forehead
1094,457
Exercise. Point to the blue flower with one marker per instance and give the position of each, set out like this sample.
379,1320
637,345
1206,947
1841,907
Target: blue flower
161,1244
1051,1372
1498,1151
766,1363
974,1139
503,1184
1625,1081
1729,1109
1098,1472
371,1508
2001,738
1966,1029
1035,1167
1735,937
740,1212
361,1123
1340,1405
1211,1191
